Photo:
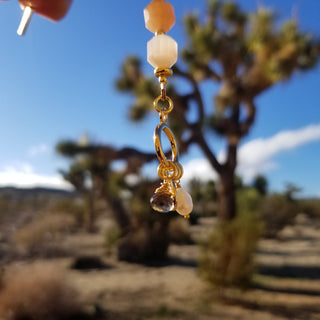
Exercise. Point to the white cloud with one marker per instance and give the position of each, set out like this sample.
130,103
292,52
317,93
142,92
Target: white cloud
256,156
198,168
23,175
38,149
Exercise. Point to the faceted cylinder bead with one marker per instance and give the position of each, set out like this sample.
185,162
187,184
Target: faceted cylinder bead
184,202
162,51
159,16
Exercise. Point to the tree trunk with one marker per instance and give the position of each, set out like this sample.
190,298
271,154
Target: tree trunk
91,214
145,244
227,195
119,212
227,209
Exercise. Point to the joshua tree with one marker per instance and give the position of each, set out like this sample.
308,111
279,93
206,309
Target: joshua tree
144,235
96,160
245,54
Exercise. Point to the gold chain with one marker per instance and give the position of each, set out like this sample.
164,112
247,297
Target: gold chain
169,170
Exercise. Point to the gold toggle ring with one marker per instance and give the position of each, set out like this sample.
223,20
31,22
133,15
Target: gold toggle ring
157,143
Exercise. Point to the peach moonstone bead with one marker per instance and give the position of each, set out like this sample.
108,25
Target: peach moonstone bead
159,16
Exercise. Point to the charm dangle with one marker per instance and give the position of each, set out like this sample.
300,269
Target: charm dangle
184,202
162,55
164,199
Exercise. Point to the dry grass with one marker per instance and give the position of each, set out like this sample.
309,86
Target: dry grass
286,287
227,257
37,292
43,236
179,231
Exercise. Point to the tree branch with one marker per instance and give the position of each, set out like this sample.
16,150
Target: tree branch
196,95
251,113
126,153
201,141
211,74
196,128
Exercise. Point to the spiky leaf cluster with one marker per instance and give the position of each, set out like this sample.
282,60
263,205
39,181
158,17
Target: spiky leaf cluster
246,53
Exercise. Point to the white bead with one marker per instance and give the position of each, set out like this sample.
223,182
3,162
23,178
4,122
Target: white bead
162,51
184,202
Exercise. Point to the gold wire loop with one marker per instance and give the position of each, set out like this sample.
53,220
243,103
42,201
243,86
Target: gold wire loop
172,172
162,127
179,172
161,109
167,172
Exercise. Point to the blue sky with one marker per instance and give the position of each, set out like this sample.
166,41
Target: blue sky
57,82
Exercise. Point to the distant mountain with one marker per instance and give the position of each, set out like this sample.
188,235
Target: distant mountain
45,194
31,191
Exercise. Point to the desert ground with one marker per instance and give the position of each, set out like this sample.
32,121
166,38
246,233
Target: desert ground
286,285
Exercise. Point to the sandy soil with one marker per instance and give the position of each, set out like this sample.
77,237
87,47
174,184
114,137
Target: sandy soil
288,283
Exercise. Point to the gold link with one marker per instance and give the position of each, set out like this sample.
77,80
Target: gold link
163,94
163,117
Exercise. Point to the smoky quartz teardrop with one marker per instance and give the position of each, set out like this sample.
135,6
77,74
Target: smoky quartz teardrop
162,202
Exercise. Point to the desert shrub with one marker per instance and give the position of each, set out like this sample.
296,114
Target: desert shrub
6,207
179,231
37,292
204,195
310,207
146,240
277,211
43,236
227,255
146,243
248,200
111,237
73,207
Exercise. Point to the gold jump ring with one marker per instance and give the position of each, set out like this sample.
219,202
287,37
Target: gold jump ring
159,109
